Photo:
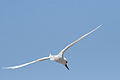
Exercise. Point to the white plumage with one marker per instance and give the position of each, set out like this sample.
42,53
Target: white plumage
59,57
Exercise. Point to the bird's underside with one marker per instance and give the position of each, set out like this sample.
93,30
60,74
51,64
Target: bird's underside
58,55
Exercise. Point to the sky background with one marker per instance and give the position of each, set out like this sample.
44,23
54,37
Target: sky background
32,29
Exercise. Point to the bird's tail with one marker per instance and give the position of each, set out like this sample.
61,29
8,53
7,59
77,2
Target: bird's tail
51,57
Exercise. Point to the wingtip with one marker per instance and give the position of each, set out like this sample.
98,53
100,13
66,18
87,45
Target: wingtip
97,27
100,25
7,68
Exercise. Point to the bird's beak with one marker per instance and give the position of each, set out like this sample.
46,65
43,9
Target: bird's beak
66,66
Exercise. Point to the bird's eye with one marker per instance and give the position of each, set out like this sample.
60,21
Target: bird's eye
66,62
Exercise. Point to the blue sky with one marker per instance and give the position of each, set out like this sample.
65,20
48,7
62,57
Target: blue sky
32,29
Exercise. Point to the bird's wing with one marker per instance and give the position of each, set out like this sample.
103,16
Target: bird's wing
14,67
63,51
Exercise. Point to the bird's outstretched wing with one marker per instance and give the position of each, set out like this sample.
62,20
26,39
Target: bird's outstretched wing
63,51
14,67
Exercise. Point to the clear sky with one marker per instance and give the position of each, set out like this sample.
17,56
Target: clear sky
32,29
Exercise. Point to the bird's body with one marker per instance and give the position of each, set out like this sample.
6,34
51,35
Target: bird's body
59,57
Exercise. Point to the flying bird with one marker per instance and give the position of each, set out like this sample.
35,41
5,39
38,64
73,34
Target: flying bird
59,57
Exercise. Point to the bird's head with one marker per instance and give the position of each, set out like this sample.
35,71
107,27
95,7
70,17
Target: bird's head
66,63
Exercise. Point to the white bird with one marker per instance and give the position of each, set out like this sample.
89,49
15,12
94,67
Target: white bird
59,57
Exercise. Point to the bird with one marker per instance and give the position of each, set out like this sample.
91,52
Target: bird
59,58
